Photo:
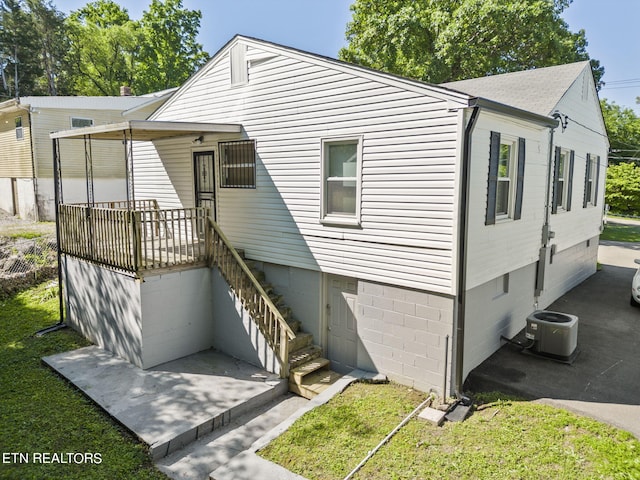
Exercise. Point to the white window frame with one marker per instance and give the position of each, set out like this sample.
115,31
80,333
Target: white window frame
19,128
510,178
82,119
563,177
592,165
343,219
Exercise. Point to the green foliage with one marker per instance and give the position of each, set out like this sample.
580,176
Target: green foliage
623,129
621,232
505,438
446,40
42,413
98,48
169,52
109,49
104,41
623,188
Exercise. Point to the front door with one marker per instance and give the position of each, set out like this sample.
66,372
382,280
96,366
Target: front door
341,322
205,181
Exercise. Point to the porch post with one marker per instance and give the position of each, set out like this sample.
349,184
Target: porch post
127,141
57,187
88,161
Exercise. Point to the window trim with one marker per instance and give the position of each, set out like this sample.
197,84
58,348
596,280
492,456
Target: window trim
592,175
19,128
567,179
223,165
515,178
333,218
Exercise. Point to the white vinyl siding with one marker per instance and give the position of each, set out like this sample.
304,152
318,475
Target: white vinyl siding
501,247
582,223
409,155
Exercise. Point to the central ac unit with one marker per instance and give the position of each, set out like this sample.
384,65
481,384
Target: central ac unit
553,334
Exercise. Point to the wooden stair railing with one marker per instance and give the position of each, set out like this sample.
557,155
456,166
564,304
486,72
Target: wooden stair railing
253,297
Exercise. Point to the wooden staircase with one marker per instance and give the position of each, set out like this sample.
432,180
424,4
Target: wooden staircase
309,373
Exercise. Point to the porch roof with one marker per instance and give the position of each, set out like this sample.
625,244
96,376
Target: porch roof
147,130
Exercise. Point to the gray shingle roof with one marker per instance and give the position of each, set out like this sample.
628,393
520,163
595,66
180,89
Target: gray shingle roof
538,90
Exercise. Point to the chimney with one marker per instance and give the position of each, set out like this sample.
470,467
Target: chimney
125,91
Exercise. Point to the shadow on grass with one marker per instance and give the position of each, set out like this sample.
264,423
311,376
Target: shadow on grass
42,414
621,233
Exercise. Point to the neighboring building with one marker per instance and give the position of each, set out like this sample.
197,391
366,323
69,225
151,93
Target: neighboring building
409,226
26,169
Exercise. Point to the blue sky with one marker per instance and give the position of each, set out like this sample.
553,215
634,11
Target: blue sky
318,26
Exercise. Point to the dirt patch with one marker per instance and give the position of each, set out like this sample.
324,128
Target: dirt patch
27,253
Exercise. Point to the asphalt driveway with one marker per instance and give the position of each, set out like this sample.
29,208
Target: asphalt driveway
604,380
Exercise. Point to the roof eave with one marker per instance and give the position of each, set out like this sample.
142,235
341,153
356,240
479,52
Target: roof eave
498,107
146,130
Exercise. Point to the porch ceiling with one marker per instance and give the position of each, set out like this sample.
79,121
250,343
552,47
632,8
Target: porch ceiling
147,130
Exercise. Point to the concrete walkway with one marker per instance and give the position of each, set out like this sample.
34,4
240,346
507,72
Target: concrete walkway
174,404
604,380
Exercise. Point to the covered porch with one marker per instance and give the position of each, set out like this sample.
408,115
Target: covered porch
154,284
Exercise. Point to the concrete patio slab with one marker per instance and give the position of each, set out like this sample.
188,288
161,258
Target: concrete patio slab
197,460
603,382
173,404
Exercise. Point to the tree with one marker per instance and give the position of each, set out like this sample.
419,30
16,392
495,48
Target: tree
103,45
53,44
33,43
19,50
169,52
623,129
446,40
623,188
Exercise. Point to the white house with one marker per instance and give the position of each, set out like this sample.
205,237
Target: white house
408,226
26,169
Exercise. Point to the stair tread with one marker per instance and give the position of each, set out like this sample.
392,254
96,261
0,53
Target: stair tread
308,368
304,352
315,383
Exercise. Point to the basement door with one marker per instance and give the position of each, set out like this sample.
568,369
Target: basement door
205,181
342,335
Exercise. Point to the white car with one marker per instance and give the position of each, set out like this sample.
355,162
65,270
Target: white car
635,287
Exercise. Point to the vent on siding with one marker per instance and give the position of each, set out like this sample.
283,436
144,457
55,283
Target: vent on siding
239,67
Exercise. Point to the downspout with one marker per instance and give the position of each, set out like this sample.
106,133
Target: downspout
547,234
34,165
462,250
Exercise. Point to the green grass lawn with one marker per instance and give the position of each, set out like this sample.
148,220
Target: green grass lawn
621,233
40,414
505,438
